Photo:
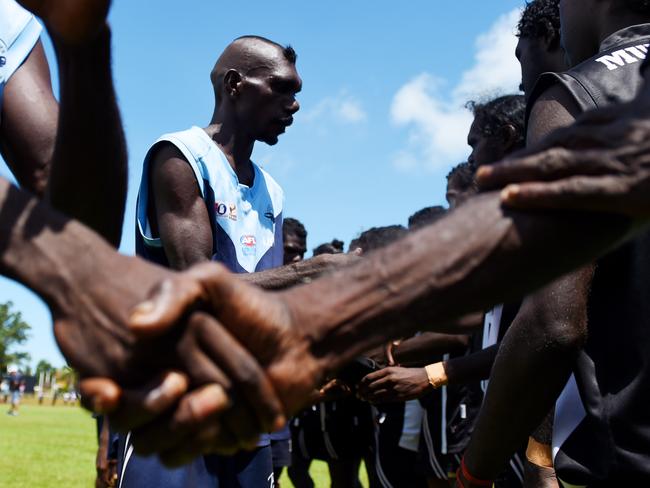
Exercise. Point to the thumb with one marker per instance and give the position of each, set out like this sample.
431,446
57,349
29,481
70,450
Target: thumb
165,307
100,395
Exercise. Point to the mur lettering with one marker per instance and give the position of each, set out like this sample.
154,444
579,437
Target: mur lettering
623,57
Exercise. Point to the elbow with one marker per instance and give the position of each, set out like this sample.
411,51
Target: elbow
564,337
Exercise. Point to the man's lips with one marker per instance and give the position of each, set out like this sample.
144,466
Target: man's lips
286,121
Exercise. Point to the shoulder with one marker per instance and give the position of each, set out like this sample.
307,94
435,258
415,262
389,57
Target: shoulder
177,155
191,143
13,21
554,107
172,173
19,33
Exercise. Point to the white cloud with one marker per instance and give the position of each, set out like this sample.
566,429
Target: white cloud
435,114
351,111
342,108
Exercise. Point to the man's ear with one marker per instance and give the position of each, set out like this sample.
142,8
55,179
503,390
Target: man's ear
232,83
508,136
550,38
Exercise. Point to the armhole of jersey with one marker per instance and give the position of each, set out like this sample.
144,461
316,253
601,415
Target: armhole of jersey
573,87
19,51
275,191
142,216
22,46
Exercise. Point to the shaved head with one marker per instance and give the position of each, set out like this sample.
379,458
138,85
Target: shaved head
248,54
255,86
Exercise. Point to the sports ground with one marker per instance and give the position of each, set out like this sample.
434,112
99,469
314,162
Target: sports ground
54,447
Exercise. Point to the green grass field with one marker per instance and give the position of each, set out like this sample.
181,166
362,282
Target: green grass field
54,447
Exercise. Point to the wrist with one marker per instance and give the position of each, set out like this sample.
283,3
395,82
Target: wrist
539,454
79,40
467,479
436,375
291,363
35,248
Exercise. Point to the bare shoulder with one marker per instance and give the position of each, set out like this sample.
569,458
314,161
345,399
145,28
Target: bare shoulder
171,175
555,108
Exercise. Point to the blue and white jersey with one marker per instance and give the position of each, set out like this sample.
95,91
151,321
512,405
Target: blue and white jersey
246,221
19,33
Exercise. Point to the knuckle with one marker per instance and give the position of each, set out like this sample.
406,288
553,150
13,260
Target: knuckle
249,376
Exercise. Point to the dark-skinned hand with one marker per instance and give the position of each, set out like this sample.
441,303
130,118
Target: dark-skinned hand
601,163
262,321
394,384
92,332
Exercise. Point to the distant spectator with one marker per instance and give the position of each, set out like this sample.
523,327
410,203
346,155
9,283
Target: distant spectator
295,240
15,382
377,237
4,391
334,247
461,184
426,216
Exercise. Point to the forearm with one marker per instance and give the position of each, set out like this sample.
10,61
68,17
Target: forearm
290,274
88,178
89,287
479,255
41,248
535,360
419,350
506,420
471,368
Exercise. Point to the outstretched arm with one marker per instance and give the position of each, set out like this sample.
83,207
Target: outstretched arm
479,255
299,273
418,350
90,290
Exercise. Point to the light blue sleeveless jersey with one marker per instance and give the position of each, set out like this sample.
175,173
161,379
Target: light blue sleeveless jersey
247,237
246,222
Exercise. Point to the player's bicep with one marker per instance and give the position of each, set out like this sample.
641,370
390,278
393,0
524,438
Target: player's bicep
181,215
554,109
29,122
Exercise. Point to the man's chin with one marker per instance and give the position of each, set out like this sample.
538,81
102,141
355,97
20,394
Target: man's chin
271,140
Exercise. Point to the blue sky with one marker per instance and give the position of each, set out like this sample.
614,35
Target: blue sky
382,118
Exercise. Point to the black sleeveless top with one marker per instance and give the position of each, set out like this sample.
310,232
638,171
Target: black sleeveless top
610,436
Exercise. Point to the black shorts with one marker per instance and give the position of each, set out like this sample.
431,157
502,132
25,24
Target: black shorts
392,465
332,431
281,453
438,465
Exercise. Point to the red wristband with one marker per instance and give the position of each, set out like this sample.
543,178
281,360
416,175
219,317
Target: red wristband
470,478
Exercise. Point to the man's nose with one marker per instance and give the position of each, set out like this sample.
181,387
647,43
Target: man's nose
294,107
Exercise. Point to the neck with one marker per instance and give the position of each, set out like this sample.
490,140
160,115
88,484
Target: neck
557,62
236,145
615,21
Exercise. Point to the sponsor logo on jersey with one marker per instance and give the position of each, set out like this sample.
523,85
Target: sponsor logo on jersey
623,57
226,210
248,245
